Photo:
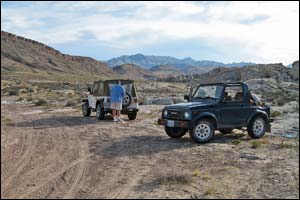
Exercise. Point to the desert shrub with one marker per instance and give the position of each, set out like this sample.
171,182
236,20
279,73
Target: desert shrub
285,145
255,144
281,100
29,99
175,179
275,113
20,99
236,142
41,102
70,103
13,93
30,91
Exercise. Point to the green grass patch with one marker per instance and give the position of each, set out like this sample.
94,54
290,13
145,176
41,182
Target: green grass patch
255,144
41,102
70,103
236,142
275,113
176,179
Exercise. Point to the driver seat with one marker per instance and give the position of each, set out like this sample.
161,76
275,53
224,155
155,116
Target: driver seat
238,96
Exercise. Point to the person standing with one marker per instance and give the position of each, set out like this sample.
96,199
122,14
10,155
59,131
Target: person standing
116,95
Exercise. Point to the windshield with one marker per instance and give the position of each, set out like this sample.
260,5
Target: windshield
209,92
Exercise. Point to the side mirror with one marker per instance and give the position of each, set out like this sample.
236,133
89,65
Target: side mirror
186,97
89,90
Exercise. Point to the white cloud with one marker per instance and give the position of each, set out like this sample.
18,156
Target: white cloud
268,31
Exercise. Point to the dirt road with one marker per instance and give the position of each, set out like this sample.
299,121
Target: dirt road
52,153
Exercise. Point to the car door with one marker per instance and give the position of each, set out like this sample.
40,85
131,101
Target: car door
234,109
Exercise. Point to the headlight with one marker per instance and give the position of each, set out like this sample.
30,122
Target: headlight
165,113
186,115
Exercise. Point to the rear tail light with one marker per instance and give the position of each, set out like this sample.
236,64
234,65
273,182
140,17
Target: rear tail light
108,99
135,100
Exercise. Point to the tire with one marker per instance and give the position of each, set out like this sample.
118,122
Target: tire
226,131
100,112
257,127
203,132
86,111
132,116
126,100
175,132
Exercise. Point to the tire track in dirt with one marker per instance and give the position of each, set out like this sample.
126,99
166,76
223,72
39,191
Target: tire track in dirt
17,180
75,165
136,166
79,173
123,191
19,150
18,167
8,163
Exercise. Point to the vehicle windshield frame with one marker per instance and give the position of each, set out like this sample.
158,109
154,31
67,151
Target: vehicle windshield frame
222,87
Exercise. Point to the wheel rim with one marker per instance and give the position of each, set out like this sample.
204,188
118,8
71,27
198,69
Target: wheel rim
258,127
203,131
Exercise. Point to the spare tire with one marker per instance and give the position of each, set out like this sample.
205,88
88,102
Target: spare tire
126,100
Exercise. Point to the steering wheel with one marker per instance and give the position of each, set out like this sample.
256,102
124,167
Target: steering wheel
126,100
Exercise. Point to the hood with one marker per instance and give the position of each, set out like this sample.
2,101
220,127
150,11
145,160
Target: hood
190,105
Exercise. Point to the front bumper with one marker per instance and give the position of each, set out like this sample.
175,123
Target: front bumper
177,123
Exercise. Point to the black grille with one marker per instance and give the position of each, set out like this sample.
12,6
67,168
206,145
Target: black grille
174,114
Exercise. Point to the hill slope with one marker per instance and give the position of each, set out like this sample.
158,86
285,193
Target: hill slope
132,71
26,58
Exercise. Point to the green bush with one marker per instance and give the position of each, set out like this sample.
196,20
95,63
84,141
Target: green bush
255,144
236,142
275,113
70,103
281,101
41,102
20,99
13,93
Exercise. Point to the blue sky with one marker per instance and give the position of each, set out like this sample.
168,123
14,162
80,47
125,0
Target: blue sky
262,32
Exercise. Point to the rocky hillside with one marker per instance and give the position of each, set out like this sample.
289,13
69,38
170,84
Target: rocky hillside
295,70
165,71
22,57
276,71
135,72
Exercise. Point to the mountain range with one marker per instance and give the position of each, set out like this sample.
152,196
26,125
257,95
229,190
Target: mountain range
23,58
149,61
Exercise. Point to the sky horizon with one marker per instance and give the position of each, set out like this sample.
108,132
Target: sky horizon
260,32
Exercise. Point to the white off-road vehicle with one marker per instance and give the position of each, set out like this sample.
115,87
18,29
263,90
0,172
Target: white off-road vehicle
99,99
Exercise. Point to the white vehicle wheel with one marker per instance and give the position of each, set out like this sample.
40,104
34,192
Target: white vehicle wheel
257,127
202,132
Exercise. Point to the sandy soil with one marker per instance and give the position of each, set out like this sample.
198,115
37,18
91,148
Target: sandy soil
51,153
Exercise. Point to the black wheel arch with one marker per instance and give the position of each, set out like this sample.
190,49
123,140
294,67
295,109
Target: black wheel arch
258,113
208,116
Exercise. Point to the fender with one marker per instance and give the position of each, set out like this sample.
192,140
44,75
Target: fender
258,112
207,115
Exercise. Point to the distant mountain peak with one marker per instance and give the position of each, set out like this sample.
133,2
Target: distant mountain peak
149,61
